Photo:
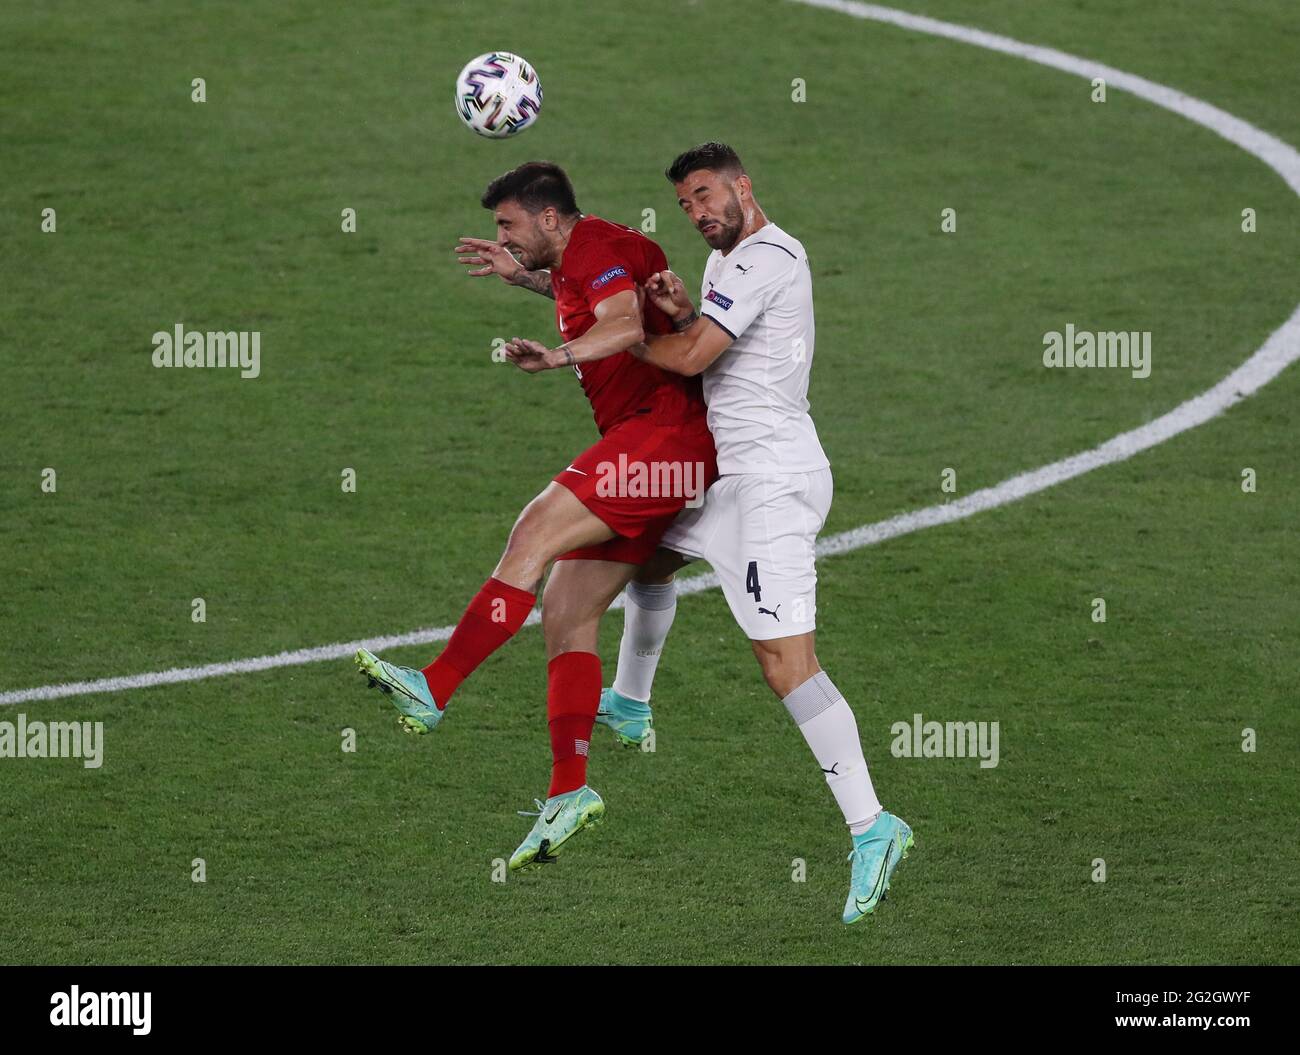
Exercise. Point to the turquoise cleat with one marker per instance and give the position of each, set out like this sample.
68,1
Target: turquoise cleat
559,819
630,719
875,855
406,689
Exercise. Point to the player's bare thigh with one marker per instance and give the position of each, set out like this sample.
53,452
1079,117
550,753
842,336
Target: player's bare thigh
787,662
576,596
552,523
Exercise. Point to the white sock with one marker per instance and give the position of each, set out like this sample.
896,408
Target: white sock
647,618
827,723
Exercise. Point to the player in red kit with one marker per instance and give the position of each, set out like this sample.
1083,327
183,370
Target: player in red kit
602,515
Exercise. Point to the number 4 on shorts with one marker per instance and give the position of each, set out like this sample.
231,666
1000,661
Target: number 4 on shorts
751,581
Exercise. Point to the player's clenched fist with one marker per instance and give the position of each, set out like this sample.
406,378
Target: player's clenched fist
669,295
485,257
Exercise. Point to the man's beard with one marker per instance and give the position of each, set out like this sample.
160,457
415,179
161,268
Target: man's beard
729,227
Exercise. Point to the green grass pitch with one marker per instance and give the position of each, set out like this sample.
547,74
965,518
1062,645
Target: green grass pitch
1119,740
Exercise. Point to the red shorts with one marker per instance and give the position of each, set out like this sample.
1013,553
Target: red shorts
637,478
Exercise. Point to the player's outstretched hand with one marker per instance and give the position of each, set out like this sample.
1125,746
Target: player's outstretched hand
485,257
668,293
530,356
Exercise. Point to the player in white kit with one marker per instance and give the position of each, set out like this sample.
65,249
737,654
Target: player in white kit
752,340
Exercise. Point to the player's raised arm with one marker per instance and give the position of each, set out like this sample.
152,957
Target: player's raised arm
484,257
697,341
689,352
618,327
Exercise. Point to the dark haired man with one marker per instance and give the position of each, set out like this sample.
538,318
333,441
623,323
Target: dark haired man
752,341
595,527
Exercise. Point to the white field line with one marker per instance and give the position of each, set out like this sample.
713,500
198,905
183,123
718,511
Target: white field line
1276,353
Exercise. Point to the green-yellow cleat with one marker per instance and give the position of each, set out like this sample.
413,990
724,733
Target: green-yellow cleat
406,689
875,855
559,819
630,719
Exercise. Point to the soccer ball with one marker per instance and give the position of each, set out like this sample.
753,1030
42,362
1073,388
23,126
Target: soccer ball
498,95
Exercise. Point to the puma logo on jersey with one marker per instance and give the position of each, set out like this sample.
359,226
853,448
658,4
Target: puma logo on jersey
745,270
764,611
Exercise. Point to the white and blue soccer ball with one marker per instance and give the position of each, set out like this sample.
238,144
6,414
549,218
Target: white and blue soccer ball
498,95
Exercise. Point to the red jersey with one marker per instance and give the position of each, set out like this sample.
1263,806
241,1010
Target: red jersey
602,259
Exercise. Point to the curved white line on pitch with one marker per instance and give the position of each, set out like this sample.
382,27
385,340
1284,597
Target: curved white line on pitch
1281,349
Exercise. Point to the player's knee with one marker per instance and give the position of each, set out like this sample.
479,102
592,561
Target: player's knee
785,669
525,529
783,680
777,675
528,539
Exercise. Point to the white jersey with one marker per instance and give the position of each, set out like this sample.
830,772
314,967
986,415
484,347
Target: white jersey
757,390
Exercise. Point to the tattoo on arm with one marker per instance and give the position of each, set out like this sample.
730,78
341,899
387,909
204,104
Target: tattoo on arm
686,323
537,281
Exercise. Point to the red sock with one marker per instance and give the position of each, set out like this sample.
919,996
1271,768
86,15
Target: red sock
572,699
492,618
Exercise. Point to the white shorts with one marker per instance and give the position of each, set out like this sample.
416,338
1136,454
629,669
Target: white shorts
759,531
